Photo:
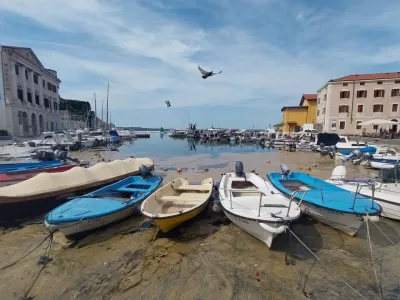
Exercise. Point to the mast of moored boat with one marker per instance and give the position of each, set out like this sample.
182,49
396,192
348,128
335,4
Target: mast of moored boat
108,91
95,112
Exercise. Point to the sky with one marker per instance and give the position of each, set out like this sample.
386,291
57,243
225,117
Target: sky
270,53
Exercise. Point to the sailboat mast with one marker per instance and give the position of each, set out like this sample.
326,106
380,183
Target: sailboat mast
95,112
110,120
102,114
108,91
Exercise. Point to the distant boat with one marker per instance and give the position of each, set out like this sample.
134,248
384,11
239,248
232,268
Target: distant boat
177,202
102,207
324,201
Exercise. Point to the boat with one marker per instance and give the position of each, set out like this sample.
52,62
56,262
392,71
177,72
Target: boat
11,178
62,138
24,167
103,206
248,202
345,147
177,202
324,201
48,190
20,150
384,190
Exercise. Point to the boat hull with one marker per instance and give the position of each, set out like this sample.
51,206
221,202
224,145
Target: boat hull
349,150
169,223
257,229
348,223
70,228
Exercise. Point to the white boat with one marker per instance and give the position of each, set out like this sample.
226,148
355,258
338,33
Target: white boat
62,138
345,146
385,191
248,202
20,150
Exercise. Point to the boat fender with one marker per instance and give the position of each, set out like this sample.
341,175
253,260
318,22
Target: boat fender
275,230
372,218
339,172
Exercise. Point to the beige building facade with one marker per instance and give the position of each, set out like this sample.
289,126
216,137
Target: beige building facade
345,102
29,94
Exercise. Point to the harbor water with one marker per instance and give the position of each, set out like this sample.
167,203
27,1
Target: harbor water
207,257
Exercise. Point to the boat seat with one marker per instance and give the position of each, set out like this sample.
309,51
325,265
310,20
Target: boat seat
188,187
185,198
129,190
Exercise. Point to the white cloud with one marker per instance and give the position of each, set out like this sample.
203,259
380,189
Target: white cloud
266,49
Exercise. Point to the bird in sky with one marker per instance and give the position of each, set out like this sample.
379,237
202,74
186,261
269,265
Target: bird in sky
168,103
207,74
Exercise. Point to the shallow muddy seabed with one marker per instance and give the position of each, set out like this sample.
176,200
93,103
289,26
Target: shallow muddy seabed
208,257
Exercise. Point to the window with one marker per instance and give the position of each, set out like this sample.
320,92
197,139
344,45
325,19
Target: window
20,93
49,86
35,78
26,74
323,111
379,82
360,108
55,106
342,124
379,93
395,106
319,100
362,94
16,69
44,83
317,112
378,108
343,109
334,124
297,128
37,99
46,103
358,126
375,127
29,96
325,97
395,92
344,94
345,84
397,81
362,83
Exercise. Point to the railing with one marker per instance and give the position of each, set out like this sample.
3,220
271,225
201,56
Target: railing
252,192
293,195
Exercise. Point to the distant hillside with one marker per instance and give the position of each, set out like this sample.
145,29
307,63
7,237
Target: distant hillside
75,107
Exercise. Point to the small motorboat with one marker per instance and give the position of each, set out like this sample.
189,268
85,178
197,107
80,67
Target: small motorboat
46,191
27,167
104,206
326,202
177,202
384,190
248,202
345,146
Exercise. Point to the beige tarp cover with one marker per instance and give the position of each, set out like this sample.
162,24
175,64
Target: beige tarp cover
73,179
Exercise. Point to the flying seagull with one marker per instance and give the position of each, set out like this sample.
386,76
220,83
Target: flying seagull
207,74
168,103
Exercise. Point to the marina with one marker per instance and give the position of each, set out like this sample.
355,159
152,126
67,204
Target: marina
194,240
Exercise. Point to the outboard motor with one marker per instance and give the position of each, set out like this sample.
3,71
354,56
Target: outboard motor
364,157
332,151
354,155
239,169
61,154
285,171
144,171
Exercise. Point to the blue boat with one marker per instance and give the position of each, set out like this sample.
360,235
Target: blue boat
102,207
324,201
114,136
29,166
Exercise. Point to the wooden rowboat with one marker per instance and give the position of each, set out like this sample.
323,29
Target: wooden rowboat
177,202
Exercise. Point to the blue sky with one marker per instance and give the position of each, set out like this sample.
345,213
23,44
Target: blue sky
270,52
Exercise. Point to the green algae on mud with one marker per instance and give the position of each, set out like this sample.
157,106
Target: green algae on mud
207,257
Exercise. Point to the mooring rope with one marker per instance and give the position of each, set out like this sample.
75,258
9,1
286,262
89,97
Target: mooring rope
387,237
333,275
18,260
372,256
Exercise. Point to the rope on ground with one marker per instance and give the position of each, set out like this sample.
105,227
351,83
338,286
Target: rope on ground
372,256
43,260
18,260
395,246
332,274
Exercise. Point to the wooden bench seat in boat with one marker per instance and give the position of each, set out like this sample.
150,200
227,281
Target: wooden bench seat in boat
189,187
185,198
